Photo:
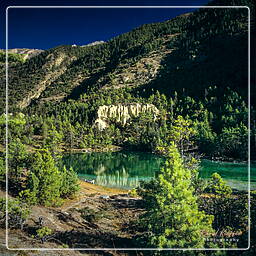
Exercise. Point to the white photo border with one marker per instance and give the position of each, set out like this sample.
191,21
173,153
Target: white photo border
126,249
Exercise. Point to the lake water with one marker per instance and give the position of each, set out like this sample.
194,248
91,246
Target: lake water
127,169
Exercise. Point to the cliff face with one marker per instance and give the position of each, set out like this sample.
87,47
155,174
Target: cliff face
122,113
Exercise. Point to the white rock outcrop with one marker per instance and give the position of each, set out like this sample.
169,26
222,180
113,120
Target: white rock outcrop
93,43
122,113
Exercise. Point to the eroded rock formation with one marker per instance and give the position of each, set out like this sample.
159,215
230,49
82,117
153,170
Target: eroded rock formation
122,113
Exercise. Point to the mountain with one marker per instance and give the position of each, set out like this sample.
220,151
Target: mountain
186,54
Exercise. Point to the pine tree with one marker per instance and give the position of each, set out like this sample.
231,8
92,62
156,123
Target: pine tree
220,203
53,140
181,133
49,178
218,186
17,162
69,182
172,217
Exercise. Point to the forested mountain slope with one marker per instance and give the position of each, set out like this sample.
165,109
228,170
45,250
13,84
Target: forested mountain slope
58,71
193,69
188,54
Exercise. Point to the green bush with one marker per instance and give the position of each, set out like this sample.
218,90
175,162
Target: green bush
18,213
43,233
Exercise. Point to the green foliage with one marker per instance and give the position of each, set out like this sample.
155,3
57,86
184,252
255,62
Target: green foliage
13,58
35,178
172,217
234,141
181,133
202,46
230,211
205,137
49,178
17,161
43,233
30,195
52,139
18,212
216,124
133,192
2,170
195,115
218,186
96,61
16,127
69,185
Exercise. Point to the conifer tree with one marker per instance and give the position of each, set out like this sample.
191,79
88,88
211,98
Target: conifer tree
69,183
181,133
172,217
30,195
49,178
220,204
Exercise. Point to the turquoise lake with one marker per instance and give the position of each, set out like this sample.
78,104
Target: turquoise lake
126,169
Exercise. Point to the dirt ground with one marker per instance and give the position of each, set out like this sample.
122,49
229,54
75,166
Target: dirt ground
97,217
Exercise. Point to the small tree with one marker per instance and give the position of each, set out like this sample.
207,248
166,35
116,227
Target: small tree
234,141
181,133
18,212
172,216
69,182
220,204
43,233
53,141
218,186
49,177
30,195
17,162
205,137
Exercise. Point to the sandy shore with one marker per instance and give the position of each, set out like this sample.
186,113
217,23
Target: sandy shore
89,188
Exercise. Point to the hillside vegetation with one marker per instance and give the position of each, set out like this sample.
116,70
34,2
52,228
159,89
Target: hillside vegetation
194,66
186,53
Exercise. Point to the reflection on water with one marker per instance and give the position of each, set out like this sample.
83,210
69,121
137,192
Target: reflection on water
127,169
235,174
117,169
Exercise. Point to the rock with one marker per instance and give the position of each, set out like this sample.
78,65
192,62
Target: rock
122,113
90,181
104,197
93,43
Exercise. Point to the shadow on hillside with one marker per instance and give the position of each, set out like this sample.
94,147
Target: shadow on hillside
93,239
220,60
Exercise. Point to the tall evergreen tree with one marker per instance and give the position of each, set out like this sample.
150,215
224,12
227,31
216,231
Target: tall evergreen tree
49,178
172,217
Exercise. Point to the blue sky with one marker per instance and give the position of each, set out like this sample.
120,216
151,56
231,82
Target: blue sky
47,28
